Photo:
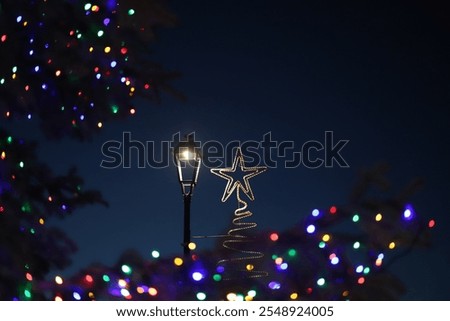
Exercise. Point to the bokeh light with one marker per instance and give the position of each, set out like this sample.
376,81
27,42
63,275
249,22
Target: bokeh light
59,280
201,296
178,261
310,229
274,237
197,276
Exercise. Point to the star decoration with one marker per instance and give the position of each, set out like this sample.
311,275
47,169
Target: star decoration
235,184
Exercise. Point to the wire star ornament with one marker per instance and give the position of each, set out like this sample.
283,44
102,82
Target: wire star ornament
236,184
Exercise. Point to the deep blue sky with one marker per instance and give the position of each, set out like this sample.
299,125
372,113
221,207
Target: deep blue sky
375,74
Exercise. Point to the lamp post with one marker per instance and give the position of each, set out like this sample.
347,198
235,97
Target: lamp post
188,160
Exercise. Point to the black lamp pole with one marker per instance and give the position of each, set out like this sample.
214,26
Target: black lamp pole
188,160
187,223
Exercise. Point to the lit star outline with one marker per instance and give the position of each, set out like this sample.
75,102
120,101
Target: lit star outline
233,184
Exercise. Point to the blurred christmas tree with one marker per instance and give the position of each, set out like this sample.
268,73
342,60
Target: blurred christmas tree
74,66
77,65
30,195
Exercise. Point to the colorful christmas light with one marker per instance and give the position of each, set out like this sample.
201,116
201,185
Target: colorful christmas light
66,57
156,278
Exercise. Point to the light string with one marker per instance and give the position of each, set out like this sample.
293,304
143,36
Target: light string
235,241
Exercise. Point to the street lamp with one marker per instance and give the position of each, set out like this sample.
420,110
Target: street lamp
188,160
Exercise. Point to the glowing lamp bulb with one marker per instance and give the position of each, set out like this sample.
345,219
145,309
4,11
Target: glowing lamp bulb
187,155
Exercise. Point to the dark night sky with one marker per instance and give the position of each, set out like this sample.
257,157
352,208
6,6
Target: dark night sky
375,74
